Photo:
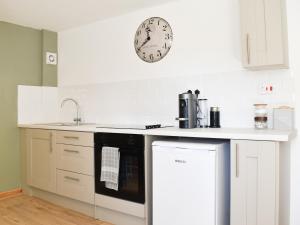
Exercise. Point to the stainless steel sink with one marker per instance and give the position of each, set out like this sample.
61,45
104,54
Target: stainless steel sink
66,124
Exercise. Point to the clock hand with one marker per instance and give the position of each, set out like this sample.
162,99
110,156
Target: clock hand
148,32
147,39
145,42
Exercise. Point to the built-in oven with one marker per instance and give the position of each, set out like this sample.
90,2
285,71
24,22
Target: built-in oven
131,185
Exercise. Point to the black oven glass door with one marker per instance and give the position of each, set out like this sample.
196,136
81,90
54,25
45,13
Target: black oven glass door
131,175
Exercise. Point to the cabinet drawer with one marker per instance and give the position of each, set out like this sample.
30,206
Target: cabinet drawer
75,186
77,159
75,138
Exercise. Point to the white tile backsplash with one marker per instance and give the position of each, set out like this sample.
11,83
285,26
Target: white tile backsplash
37,104
49,104
156,100
29,104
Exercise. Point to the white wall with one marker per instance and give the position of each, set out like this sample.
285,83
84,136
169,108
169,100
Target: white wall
116,86
104,51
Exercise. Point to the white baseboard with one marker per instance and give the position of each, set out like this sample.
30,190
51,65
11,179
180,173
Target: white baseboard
117,218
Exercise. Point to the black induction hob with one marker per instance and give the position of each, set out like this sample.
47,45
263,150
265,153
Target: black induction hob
132,126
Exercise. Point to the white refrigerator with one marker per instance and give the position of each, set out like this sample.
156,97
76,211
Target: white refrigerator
191,183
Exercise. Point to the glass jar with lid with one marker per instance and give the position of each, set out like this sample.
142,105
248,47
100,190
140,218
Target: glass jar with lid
260,116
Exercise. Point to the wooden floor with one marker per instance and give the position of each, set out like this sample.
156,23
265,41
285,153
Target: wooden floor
24,210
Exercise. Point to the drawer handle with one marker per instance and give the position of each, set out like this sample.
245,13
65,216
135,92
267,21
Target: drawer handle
51,142
72,178
71,137
71,151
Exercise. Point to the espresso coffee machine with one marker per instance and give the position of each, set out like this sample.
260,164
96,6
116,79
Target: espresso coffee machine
187,110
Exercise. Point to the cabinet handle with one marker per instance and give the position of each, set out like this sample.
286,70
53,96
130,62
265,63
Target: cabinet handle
248,48
71,151
71,137
72,178
51,142
237,163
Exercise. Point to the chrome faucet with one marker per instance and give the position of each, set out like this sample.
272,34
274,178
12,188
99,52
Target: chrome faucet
77,119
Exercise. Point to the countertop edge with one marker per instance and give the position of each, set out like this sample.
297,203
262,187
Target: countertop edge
222,133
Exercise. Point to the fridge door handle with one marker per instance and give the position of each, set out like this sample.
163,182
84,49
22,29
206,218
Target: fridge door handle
237,163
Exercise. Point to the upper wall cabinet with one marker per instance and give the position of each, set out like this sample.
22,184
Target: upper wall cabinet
264,34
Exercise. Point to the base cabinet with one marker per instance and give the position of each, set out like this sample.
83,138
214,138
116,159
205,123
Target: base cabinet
41,168
61,162
254,182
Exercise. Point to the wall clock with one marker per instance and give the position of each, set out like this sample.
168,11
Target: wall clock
153,39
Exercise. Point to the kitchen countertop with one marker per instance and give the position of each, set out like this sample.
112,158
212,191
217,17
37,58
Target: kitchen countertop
217,133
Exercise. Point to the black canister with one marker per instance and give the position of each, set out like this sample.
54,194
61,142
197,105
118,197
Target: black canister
214,117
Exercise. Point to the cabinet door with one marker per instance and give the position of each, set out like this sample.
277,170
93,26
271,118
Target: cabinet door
253,32
41,160
263,34
276,33
254,183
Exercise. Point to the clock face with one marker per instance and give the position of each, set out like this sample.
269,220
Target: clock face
153,39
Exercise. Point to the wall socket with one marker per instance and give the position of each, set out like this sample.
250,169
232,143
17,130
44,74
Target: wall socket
266,89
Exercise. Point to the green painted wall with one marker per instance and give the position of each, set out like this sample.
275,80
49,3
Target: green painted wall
49,45
20,64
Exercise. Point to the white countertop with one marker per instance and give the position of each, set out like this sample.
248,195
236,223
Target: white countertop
218,133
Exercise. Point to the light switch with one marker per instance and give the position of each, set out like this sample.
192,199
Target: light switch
51,58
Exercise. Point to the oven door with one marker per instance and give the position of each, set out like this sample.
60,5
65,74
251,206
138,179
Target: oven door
131,175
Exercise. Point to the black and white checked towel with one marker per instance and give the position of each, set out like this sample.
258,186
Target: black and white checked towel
110,164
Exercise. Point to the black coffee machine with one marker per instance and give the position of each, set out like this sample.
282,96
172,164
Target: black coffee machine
187,110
